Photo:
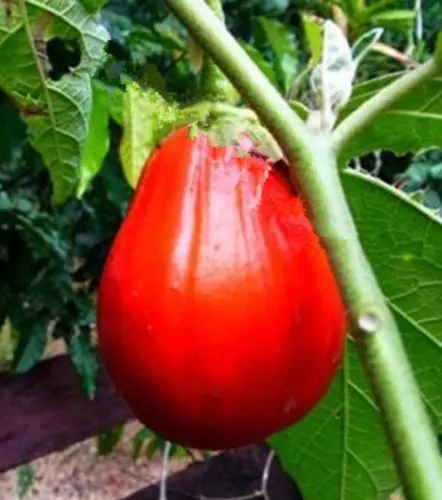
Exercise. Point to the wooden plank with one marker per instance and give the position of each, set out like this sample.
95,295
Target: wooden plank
235,473
44,411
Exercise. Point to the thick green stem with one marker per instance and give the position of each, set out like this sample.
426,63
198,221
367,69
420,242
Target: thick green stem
387,97
314,160
214,85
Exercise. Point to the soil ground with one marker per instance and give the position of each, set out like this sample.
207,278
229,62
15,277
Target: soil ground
79,473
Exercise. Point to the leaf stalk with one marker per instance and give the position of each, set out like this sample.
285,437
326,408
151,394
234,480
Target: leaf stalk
367,113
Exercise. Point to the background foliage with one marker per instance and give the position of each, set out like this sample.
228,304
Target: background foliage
64,193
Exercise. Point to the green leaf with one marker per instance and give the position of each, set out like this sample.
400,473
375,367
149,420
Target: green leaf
281,42
339,451
261,62
396,19
32,340
154,445
196,54
151,76
300,109
108,440
139,441
352,8
412,124
84,357
113,97
436,172
438,52
97,142
417,175
56,111
313,35
94,5
13,137
146,118
25,479
364,43
6,344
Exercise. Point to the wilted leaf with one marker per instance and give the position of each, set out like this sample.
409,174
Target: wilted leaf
332,79
313,35
146,117
339,451
56,112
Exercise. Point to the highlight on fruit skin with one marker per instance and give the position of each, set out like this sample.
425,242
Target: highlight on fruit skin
219,318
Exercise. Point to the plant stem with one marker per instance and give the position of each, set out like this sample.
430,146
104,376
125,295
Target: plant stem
207,29
383,100
216,6
214,85
316,175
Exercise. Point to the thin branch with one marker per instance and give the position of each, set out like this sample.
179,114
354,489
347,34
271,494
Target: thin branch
367,113
266,475
164,470
397,55
214,84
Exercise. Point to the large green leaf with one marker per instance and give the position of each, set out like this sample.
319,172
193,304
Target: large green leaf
262,63
56,111
396,19
93,5
339,451
415,122
97,142
286,56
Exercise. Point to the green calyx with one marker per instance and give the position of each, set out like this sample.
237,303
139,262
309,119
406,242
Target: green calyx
228,125
148,119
